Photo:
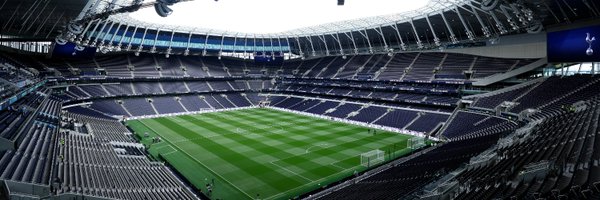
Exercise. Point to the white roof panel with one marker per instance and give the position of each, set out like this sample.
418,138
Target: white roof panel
273,18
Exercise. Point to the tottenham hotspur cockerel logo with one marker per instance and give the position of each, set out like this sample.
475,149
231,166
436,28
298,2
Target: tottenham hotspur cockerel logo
590,40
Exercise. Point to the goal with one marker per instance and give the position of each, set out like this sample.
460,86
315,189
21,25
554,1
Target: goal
371,158
416,143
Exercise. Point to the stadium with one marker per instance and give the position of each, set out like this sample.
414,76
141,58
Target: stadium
312,99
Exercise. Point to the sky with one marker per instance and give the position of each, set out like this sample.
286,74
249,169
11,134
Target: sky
272,16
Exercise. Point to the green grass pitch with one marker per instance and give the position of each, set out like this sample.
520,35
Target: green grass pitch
262,153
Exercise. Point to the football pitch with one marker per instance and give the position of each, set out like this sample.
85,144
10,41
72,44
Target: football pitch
262,153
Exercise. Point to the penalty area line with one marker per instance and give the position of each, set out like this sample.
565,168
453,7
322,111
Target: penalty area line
170,152
335,165
286,169
313,182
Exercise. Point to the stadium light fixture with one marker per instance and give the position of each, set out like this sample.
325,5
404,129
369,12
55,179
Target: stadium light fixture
168,53
60,40
162,10
79,48
75,28
390,52
494,41
137,52
162,7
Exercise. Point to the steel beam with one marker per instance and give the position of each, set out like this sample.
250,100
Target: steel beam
453,38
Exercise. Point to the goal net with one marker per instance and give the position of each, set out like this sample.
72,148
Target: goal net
416,142
371,158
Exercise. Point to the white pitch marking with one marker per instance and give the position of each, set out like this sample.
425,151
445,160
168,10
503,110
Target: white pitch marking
197,161
286,169
318,145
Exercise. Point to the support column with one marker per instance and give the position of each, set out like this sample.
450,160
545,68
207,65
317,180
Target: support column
468,31
153,49
131,38
453,38
403,45
187,47
419,42
436,40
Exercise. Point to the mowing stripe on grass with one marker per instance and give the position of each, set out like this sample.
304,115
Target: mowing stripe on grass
216,174
257,145
271,153
251,166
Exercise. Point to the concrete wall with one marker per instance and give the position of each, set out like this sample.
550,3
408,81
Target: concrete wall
20,190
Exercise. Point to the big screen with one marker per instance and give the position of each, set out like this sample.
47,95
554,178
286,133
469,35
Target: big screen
68,51
574,45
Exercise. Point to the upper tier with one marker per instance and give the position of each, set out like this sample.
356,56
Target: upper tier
401,67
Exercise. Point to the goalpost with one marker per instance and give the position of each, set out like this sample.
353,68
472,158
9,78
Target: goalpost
416,143
372,158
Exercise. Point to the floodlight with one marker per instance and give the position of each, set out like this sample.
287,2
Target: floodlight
162,7
79,48
60,40
76,29
488,5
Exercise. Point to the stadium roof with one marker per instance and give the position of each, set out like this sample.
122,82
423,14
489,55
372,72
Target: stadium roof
307,17
112,24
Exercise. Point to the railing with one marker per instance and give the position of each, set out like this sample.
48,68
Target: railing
33,46
368,174
5,103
